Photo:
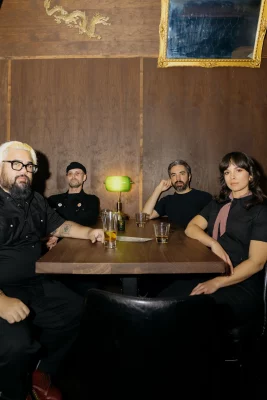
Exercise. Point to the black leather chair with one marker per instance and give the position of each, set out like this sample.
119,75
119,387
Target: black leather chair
144,345
245,346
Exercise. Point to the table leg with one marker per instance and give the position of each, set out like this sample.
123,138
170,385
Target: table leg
129,286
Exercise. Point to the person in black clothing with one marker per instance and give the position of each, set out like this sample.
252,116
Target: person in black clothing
78,206
179,207
236,224
75,205
184,204
30,302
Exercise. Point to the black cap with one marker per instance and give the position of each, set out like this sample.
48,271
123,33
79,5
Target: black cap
75,165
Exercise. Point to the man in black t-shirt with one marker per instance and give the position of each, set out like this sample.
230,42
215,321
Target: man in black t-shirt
27,300
184,204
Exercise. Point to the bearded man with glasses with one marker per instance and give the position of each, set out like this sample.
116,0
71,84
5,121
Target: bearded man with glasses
29,301
20,185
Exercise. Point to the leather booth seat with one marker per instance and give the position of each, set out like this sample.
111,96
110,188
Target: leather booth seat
144,345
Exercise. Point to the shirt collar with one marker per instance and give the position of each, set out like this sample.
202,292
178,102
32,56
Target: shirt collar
4,195
81,193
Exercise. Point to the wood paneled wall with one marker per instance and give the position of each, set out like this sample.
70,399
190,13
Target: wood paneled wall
199,115
81,110
123,116
96,102
27,31
3,100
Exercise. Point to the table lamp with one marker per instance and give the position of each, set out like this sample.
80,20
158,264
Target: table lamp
118,184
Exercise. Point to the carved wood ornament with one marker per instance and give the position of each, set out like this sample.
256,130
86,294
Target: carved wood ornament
77,19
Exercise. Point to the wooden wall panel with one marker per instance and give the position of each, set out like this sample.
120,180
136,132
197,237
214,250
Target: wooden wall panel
3,100
26,29
81,110
264,49
199,115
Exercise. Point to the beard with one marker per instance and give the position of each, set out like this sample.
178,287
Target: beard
180,188
74,184
19,191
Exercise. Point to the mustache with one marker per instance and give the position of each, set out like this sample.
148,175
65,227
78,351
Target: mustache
23,176
179,182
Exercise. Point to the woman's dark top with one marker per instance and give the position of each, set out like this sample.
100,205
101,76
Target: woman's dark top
241,301
243,225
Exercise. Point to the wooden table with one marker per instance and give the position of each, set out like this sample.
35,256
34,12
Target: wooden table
181,255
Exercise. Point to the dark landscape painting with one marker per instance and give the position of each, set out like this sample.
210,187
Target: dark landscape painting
212,29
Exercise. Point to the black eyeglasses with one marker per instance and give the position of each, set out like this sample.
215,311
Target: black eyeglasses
18,165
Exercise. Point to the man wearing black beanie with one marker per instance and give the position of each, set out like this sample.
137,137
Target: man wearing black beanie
77,206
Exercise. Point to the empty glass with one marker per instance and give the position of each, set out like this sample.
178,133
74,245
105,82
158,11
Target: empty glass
141,219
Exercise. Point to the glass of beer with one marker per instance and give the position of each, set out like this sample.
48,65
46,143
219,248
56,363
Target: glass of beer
103,212
110,221
162,230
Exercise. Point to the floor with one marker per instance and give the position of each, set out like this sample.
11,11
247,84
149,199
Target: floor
134,385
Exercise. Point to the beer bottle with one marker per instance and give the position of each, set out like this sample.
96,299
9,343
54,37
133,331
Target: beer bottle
121,219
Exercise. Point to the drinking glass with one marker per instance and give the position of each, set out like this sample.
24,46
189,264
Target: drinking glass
141,219
110,223
103,212
162,230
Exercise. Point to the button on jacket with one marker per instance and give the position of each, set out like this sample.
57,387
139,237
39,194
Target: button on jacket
80,207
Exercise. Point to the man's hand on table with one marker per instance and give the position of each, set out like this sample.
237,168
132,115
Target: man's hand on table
52,241
96,235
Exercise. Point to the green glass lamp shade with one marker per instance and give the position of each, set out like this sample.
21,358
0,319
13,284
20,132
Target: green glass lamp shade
118,183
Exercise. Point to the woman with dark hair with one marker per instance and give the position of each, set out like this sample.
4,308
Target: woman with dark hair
234,226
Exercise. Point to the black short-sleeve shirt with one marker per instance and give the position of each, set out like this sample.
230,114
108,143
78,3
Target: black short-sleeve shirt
81,208
22,225
181,208
243,225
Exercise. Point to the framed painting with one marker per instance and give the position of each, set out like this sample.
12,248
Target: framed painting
212,33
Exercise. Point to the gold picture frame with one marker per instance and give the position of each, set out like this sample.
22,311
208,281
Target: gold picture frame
204,33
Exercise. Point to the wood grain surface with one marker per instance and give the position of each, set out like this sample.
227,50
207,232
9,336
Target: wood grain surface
123,117
27,31
80,110
3,100
180,255
199,115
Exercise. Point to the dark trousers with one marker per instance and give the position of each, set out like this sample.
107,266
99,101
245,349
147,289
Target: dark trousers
236,304
79,284
46,334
